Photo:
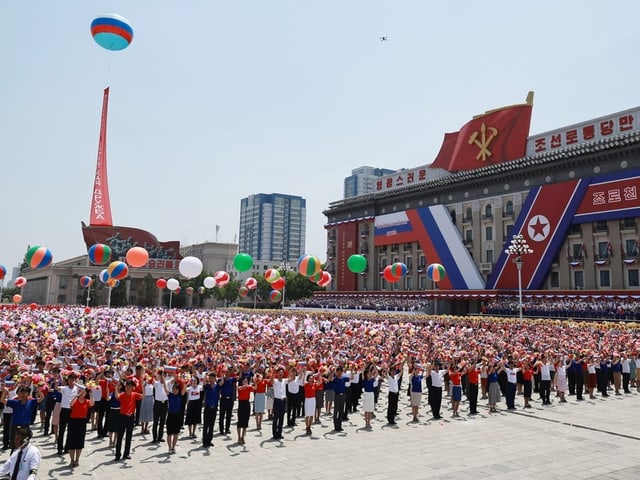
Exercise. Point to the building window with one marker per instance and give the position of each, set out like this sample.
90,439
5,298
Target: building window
489,255
554,280
508,209
423,282
631,248
578,279
62,299
409,282
489,233
605,278
488,211
468,236
453,216
634,278
468,215
63,283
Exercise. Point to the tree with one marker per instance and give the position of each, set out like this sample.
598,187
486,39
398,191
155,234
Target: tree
299,286
8,293
228,293
146,291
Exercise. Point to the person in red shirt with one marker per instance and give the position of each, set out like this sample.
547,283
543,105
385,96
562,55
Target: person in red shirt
473,377
244,408
259,399
128,400
311,384
455,377
527,376
80,406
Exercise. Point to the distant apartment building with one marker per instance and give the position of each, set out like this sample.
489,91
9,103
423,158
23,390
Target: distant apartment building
363,180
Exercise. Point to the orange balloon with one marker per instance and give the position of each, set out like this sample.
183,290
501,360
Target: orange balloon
137,257
17,298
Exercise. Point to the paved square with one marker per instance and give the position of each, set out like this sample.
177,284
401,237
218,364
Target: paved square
589,439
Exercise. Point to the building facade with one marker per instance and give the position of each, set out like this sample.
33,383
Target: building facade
363,180
574,196
273,228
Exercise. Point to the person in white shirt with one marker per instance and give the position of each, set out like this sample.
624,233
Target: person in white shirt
69,392
24,462
279,403
393,383
160,405
435,391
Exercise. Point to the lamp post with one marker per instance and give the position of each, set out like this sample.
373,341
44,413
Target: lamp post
284,268
519,248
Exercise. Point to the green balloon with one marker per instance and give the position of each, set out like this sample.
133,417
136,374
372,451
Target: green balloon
242,262
357,263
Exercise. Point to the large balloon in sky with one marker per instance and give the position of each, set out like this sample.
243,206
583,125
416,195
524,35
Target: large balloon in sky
251,283
17,298
161,283
118,270
436,272
325,281
308,265
278,284
388,275
243,291
190,267
112,31
209,282
221,277
137,257
357,263
3,271
173,284
86,281
275,296
398,269
99,254
38,257
103,276
20,282
243,262
271,275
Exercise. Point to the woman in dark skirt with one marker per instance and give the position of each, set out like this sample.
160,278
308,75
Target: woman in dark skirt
80,406
174,415
113,418
194,406
244,408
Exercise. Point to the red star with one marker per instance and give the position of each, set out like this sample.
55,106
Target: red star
538,227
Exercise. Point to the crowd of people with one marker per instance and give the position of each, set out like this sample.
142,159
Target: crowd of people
163,374
534,306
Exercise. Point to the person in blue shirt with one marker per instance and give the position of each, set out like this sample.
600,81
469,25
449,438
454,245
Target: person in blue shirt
23,407
211,393
339,385
227,396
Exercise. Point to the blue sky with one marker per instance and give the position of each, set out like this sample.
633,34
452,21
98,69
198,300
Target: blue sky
217,100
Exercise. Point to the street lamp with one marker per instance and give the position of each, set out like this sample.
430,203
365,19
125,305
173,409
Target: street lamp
284,267
518,247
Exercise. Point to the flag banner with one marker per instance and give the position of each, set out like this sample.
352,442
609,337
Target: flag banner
611,197
544,226
100,203
347,240
497,136
438,238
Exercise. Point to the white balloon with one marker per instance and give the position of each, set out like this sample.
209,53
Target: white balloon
173,284
190,267
209,282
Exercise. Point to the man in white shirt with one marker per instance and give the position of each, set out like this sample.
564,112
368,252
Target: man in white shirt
160,405
24,461
69,392
512,380
435,391
279,403
393,378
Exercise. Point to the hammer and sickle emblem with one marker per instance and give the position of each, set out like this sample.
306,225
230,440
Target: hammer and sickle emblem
483,141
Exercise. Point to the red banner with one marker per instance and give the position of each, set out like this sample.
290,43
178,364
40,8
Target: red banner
347,241
495,137
100,203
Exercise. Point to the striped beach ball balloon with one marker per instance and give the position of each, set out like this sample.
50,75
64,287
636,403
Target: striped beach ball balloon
388,275
398,269
279,284
113,282
271,275
3,271
201,290
190,290
243,291
317,277
325,281
103,276
118,270
85,281
251,283
38,257
436,272
309,265
112,31
99,254
20,282
275,296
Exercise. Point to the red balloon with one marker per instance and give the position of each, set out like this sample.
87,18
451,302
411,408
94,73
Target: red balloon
161,283
388,275
87,309
33,306
278,284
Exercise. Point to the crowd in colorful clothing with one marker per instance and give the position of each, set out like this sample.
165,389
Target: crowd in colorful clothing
163,374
